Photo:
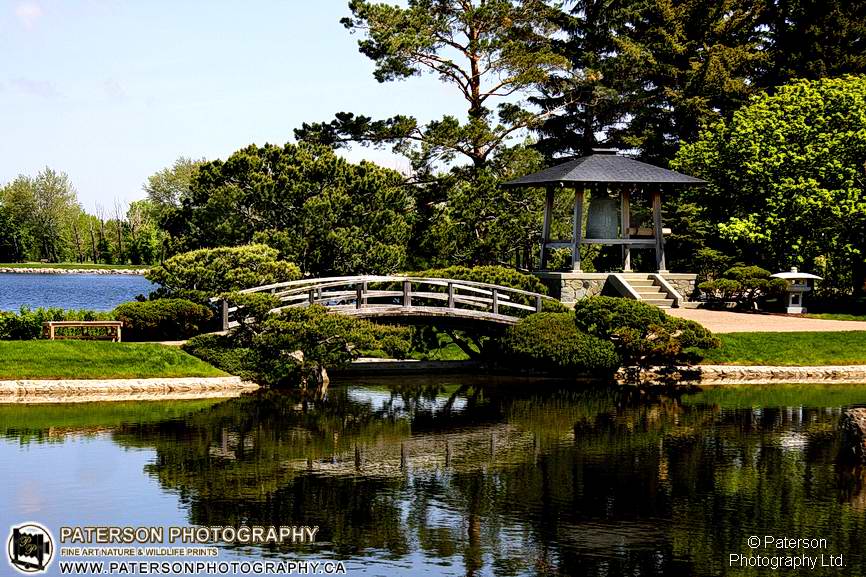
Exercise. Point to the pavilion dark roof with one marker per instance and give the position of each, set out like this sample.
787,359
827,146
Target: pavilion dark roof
604,168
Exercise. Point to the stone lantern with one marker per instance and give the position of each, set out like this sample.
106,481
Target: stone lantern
798,286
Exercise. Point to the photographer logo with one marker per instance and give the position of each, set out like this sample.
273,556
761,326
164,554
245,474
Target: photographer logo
30,548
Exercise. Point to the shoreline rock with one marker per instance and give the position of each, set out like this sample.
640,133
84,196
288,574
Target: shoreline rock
853,427
100,271
80,390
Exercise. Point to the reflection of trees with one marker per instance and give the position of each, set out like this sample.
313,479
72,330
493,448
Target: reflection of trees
560,482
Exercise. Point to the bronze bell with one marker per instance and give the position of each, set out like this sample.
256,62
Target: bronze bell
602,218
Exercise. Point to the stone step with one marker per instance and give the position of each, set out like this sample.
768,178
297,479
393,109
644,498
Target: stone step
640,283
661,303
649,292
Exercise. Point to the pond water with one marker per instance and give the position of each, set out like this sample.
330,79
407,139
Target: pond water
458,477
70,291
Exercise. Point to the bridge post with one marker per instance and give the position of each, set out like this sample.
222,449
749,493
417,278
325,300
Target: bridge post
407,293
312,296
359,295
495,302
225,309
538,304
451,295
364,300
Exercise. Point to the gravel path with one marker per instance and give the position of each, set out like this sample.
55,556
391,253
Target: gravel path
731,322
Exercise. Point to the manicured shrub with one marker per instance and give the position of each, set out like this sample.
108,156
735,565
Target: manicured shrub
223,352
643,335
27,323
162,319
744,285
265,348
201,274
552,342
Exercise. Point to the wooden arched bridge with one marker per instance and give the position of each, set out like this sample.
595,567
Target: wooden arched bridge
401,299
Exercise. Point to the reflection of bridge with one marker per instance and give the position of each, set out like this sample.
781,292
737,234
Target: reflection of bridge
402,298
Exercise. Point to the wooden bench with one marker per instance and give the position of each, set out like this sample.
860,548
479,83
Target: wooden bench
112,332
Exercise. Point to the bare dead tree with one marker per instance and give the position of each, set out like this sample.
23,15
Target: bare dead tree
76,238
119,217
93,250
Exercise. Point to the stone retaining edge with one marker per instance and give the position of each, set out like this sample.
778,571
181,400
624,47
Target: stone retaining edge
756,375
102,271
26,387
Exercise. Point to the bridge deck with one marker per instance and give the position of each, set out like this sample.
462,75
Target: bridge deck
402,297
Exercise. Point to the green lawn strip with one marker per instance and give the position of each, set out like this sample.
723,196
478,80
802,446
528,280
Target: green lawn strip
836,317
73,265
789,349
97,360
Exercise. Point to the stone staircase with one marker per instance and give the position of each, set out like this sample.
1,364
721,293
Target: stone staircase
647,289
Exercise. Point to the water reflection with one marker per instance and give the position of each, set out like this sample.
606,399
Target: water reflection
463,478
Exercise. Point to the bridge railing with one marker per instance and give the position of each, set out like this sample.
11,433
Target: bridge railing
397,295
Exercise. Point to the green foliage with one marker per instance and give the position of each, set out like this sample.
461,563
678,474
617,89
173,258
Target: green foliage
552,342
223,351
476,221
14,239
323,213
27,323
162,319
647,75
168,187
289,347
786,178
643,335
201,274
326,340
709,263
744,285
42,208
498,275
486,53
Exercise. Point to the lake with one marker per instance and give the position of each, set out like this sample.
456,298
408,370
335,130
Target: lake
459,476
101,292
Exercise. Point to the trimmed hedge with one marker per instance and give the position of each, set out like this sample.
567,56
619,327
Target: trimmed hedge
27,323
551,341
223,352
263,350
643,334
744,285
162,319
200,274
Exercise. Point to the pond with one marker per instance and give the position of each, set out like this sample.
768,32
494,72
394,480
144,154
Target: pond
101,292
458,476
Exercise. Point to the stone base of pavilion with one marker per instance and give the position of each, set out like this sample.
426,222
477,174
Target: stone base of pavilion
569,287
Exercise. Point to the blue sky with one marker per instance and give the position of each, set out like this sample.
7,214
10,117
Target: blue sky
112,91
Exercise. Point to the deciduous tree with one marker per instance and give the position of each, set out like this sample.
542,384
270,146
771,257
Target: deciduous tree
786,178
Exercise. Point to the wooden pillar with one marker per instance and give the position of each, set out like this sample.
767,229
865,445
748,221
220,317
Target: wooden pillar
657,230
625,223
577,229
545,230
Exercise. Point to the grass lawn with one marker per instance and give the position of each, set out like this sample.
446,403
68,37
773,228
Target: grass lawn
836,317
790,349
97,359
71,265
